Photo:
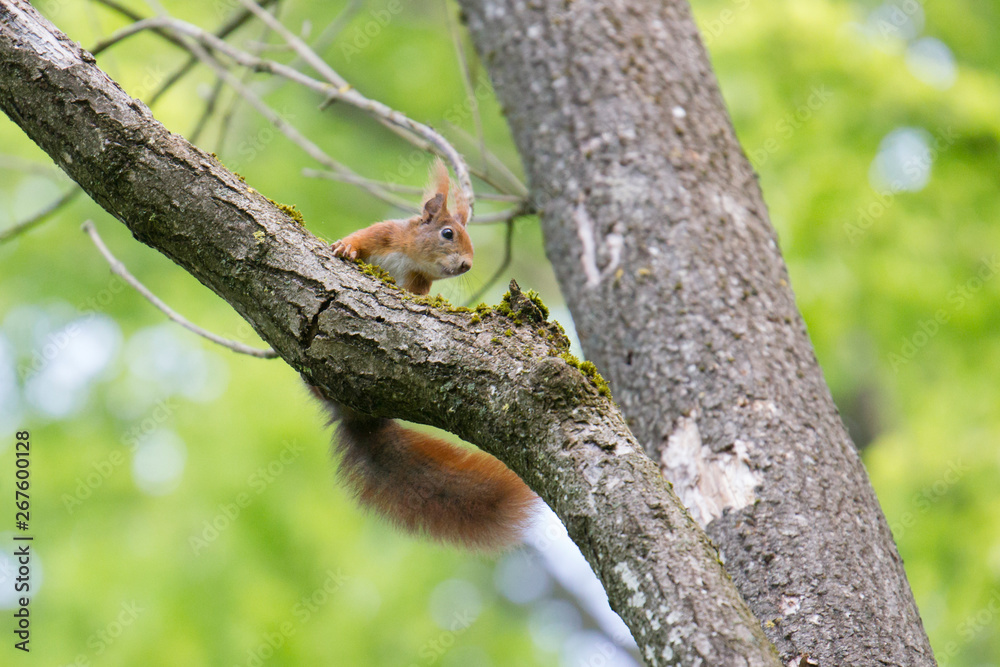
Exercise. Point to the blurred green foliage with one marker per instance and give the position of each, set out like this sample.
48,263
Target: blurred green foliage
252,546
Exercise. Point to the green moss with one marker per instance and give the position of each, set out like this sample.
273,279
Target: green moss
291,212
475,319
376,271
537,300
259,236
495,340
436,301
589,371
508,333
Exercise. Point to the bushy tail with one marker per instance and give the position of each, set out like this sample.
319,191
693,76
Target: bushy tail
428,486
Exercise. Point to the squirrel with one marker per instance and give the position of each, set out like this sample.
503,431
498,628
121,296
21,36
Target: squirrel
418,482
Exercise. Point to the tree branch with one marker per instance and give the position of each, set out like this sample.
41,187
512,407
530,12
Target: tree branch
496,383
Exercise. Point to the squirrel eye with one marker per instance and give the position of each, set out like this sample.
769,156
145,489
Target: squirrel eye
447,233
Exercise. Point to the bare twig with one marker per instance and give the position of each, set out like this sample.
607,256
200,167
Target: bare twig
40,217
514,186
335,87
398,187
105,44
206,114
333,29
119,269
341,90
234,22
257,64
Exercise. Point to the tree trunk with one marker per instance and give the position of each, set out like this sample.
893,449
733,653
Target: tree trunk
661,242
503,382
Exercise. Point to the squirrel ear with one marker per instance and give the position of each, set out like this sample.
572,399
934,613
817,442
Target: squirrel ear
433,208
436,194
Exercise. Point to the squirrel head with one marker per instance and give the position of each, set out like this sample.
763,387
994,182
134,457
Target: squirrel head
443,244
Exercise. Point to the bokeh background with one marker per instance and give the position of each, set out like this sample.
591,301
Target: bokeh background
183,503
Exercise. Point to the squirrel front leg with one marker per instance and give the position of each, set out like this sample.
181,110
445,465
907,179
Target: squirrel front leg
369,241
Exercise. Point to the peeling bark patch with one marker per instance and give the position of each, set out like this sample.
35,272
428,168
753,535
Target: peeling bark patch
585,232
631,582
628,577
707,482
789,604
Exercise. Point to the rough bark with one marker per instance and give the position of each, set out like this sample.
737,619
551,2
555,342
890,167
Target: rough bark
493,382
662,245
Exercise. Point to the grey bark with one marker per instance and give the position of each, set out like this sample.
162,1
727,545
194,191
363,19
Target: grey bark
662,245
494,383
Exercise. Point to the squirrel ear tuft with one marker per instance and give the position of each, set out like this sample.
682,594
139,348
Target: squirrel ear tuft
462,211
437,183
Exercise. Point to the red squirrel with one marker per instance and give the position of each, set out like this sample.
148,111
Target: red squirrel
418,482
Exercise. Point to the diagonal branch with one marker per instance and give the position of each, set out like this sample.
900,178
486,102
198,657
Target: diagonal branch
497,382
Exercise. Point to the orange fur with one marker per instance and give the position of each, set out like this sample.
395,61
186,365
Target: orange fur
427,486
421,483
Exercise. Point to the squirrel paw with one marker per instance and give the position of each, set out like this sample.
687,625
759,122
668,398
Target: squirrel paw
341,249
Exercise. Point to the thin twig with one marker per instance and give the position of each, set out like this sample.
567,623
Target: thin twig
341,90
508,254
504,216
103,45
333,29
40,217
222,32
519,188
119,269
399,187
210,103
226,120
257,64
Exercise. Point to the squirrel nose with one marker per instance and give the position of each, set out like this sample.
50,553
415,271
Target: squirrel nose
464,266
